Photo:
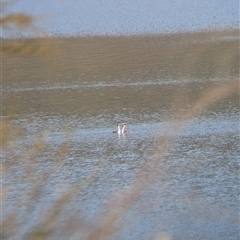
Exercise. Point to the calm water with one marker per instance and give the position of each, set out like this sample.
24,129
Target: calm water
118,17
61,137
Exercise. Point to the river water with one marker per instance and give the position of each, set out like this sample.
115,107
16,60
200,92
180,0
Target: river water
122,17
60,111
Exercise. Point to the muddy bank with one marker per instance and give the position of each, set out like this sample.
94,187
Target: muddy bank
70,66
193,55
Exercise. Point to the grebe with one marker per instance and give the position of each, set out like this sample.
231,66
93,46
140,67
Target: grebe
123,129
119,129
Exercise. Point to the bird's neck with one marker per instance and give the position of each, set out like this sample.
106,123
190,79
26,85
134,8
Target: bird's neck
119,129
123,130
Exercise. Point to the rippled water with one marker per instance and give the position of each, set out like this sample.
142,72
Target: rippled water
63,130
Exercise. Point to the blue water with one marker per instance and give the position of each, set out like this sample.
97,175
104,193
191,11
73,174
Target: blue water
195,192
195,185
118,17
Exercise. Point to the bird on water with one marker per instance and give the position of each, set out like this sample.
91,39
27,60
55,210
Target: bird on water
123,130
119,129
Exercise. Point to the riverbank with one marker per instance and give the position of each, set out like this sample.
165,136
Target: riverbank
200,55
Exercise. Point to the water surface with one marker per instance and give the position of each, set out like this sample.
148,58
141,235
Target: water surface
71,18
61,112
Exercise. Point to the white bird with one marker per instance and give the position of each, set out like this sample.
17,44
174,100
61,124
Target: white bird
123,129
119,129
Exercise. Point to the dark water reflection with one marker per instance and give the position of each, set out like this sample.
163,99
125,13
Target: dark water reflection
65,134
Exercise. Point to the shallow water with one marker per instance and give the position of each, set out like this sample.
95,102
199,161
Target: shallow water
61,136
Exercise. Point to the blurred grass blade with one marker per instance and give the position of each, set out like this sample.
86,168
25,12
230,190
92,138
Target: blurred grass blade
18,20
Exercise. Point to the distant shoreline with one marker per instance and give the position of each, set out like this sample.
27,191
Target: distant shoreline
196,55
231,30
